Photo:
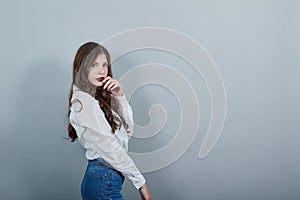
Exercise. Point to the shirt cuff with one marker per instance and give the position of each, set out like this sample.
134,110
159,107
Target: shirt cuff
138,185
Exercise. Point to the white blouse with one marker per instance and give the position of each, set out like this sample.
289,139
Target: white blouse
95,134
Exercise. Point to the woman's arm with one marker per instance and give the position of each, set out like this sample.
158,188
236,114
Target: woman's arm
125,111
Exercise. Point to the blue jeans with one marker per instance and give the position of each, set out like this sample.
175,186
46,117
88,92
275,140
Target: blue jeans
101,182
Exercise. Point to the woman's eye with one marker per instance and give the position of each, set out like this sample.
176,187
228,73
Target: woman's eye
105,65
94,65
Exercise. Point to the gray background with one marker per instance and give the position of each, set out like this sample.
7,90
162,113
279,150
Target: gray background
254,44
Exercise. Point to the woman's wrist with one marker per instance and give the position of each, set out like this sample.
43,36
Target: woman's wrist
144,192
142,186
119,94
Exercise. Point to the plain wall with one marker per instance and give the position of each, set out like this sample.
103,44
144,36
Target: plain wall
255,45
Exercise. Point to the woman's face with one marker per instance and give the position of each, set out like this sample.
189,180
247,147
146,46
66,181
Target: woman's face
98,70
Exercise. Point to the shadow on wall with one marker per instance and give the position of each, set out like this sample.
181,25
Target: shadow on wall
37,157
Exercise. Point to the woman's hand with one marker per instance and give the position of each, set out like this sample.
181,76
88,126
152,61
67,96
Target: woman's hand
144,192
113,86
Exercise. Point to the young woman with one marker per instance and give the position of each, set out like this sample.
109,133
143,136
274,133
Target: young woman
102,120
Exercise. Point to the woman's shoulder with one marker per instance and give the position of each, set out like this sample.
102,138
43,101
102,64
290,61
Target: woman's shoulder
82,97
78,93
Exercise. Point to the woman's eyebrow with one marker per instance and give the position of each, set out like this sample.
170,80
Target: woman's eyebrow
95,62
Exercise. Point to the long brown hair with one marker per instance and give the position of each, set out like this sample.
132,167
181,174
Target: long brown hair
85,56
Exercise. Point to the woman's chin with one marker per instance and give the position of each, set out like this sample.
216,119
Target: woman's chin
99,84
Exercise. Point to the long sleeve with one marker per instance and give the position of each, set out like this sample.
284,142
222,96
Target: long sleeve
126,112
96,137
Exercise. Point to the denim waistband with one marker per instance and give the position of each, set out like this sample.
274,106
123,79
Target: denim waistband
100,161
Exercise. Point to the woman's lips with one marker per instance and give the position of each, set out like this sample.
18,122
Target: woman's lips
100,79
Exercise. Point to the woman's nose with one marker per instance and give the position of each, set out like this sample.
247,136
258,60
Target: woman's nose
101,70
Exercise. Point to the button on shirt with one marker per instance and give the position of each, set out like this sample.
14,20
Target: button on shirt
95,134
